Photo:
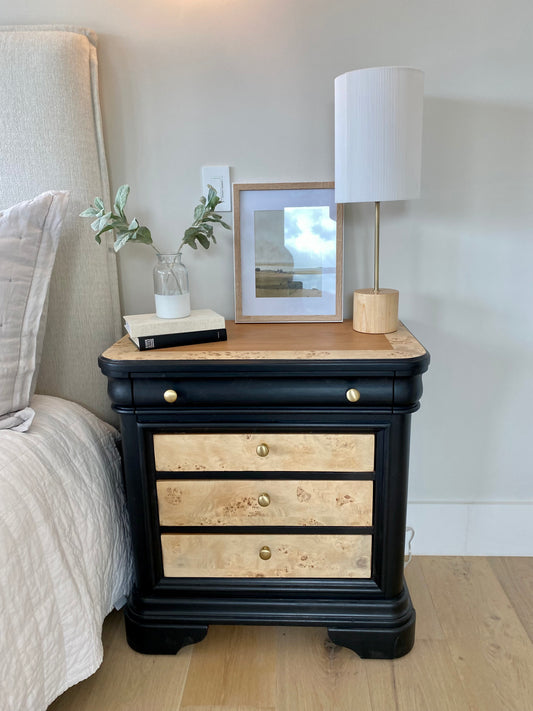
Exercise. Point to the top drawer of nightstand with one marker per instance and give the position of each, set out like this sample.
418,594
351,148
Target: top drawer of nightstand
263,391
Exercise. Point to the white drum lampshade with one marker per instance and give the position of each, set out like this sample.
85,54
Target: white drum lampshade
378,150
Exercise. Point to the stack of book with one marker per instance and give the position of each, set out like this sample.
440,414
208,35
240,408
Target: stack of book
202,326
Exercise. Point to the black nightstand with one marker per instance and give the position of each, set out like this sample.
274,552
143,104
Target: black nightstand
267,483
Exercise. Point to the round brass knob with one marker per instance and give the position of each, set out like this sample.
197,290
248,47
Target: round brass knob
262,450
353,395
170,395
263,499
265,553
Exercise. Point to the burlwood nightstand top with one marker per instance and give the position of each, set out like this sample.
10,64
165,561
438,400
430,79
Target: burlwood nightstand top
283,341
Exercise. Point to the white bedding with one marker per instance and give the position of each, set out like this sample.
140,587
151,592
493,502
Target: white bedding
65,557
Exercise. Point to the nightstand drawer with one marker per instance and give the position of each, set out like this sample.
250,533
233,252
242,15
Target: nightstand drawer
267,392
265,503
266,556
264,452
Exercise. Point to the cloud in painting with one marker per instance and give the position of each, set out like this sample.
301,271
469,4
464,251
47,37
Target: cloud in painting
310,235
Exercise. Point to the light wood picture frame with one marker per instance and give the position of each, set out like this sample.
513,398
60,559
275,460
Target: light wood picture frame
288,252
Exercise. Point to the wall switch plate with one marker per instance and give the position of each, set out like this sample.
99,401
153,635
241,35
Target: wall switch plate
218,177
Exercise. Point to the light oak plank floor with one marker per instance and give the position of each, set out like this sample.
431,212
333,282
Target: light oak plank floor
473,652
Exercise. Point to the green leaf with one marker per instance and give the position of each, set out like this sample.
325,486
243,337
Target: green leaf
90,212
217,219
134,224
99,203
190,232
121,240
212,198
106,229
199,212
99,224
190,237
97,238
119,224
143,235
204,241
121,197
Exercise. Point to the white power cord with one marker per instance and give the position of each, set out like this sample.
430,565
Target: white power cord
409,557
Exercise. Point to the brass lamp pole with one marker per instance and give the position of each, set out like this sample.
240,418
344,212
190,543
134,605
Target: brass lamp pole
376,250
375,310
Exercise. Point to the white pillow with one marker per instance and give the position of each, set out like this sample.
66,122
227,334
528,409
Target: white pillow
29,235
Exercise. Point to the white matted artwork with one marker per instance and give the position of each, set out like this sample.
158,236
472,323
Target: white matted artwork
288,252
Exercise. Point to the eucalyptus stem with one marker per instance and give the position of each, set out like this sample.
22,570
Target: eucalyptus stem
200,232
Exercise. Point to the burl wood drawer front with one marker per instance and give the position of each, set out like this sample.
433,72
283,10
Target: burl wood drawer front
265,502
264,452
266,556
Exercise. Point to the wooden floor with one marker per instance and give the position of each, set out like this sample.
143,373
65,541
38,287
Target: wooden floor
473,652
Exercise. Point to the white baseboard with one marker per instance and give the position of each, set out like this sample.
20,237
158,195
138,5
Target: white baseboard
504,529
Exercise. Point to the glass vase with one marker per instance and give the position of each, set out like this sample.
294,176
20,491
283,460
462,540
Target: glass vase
171,287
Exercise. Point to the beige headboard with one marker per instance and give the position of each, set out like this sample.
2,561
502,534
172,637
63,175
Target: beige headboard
51,139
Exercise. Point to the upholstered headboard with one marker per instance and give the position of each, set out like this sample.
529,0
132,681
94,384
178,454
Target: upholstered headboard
51,139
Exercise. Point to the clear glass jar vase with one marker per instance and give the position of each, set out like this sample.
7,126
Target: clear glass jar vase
171,287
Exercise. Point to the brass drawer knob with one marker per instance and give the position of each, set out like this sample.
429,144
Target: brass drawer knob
170,396
353,395
265,553
263,499
262,450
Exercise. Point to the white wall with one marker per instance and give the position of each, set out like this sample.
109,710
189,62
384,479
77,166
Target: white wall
249,83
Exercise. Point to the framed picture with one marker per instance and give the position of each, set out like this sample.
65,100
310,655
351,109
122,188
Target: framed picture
288,252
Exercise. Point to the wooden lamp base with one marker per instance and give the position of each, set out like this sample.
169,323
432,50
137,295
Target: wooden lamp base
375,311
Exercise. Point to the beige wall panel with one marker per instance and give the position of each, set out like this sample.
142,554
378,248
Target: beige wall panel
286,452
234,556
291,503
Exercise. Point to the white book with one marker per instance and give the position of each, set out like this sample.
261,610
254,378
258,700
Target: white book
151,325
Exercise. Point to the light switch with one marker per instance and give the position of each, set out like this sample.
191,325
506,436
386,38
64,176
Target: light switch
218,177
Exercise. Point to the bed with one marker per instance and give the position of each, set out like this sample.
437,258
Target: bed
64,539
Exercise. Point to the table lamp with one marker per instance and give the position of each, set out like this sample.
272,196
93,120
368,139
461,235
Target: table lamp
378,150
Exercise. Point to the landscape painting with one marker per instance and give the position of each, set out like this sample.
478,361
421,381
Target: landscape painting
288,253
293,248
